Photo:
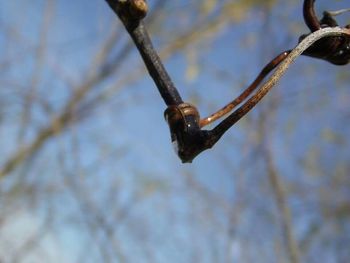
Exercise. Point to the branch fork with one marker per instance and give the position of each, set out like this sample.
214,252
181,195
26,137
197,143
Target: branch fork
326,41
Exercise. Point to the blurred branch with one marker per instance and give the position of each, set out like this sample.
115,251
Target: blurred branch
283,209
277,185
38,68
66,117
32,242
98,219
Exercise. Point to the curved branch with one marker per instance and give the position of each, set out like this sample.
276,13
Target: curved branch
230,106
310,17
221,128
183,119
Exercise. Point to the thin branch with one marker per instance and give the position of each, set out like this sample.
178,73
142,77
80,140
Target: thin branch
221,128
183,118
339,12
38,68
229,107
133,24
192,35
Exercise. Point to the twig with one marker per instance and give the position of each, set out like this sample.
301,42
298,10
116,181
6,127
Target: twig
183,118
38,69
131,13
310,17
338,12
220,129
252,87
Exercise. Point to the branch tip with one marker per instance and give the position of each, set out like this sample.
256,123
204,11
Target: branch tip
138,9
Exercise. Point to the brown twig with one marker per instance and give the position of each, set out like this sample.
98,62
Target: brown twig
131,13
310,17
183,118
220,129
229,107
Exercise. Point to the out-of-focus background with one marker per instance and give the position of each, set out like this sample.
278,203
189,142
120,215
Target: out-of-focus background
88,173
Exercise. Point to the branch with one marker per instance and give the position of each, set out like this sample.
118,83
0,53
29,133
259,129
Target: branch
310,17
131,13
220,129
247,92
183,118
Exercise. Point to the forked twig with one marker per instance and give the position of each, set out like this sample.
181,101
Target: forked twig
183,118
